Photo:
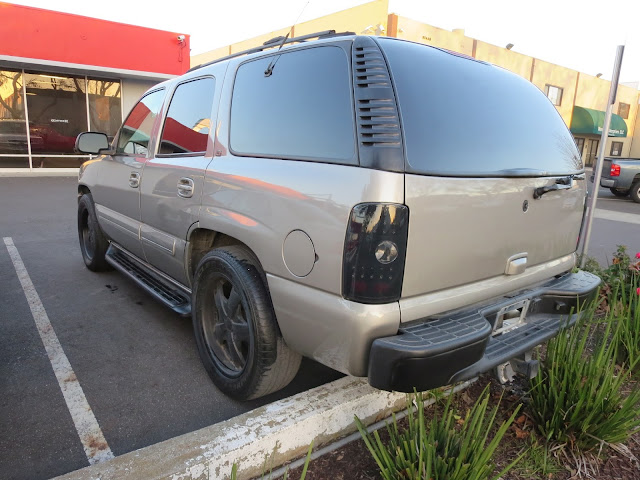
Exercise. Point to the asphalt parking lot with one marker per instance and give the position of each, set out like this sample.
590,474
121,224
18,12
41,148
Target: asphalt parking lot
135,361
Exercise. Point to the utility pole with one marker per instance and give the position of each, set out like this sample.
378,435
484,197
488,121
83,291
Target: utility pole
597,171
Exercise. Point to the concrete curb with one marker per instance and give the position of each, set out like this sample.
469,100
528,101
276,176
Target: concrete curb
39,172
274,433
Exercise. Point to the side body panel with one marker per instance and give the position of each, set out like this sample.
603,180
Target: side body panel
117,196
166,216
260,201
117,203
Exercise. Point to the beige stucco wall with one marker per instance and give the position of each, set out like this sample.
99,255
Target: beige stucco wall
545,73
356,19
634,150
594,93
513,61
372,18
369,18
408,29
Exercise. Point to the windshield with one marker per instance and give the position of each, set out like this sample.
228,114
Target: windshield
462,117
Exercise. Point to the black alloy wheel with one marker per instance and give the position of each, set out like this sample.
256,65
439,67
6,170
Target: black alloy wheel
235,326
93,242
227,331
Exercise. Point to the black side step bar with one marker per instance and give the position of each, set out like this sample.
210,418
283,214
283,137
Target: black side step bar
173,295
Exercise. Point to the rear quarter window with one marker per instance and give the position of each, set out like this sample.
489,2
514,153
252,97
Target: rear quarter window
303,110
461,117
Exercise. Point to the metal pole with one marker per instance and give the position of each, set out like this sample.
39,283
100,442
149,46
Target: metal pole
593,197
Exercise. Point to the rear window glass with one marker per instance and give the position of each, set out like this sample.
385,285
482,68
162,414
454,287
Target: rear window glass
466,118
302,110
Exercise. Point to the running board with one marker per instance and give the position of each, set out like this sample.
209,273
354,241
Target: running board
157,284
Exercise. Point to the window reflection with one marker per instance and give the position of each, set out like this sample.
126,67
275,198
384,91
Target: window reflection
13,128
136,131
105,113
57,112
188,122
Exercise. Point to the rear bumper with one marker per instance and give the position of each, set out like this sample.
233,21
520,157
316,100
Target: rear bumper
441,350
608,183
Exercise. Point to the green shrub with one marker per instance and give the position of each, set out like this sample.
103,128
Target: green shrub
450,448
578,397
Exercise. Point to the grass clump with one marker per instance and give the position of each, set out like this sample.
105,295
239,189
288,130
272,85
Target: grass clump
538,461
450,447
578,399
627,312
234,468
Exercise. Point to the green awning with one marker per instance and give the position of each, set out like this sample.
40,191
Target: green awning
587,121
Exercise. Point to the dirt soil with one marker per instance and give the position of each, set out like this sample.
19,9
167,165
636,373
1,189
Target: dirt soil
354,462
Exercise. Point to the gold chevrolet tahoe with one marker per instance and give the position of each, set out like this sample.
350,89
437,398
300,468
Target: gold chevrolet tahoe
389,209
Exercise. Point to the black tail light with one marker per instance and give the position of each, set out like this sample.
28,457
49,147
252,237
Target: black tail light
374,253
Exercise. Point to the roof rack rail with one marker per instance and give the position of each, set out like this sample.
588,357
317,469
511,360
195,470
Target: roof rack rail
275,42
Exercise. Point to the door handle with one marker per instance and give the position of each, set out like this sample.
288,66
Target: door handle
134,180
185,187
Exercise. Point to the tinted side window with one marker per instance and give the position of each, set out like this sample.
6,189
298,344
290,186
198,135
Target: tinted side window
465,118
188,121
302,110
136,130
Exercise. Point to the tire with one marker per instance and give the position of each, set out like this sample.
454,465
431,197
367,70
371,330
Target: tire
635,192
235,327
619,193
93,242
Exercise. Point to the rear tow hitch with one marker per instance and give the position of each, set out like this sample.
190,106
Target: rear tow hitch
523,364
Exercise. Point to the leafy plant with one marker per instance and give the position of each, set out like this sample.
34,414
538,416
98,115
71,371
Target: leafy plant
578,397
450,447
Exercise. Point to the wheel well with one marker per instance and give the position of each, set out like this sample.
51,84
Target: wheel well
82,190
202,241
636,178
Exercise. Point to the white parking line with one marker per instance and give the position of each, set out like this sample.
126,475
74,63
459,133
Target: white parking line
617,216
93,441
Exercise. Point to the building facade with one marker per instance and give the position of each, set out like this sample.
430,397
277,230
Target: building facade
579,98
62,74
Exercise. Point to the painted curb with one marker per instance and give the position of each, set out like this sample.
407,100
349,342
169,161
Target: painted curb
274,433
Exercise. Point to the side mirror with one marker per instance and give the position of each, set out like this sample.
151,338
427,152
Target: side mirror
92,142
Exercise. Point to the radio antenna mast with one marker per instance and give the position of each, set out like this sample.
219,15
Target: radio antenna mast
272,64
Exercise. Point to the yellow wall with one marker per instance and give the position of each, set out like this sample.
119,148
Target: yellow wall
356,19
372,18
513,61
594,93
547,73
634,150
210,55
414,31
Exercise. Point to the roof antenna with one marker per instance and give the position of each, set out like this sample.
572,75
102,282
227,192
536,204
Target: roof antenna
272,64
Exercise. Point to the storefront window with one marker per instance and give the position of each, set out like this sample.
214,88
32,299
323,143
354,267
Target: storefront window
56,109
57,112
105,112
13,127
